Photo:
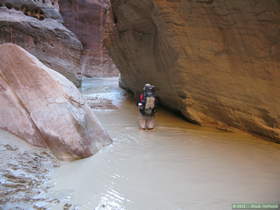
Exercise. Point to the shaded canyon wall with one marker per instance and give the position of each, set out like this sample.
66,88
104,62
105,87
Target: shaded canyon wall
215,61
90,21
65,35
38,27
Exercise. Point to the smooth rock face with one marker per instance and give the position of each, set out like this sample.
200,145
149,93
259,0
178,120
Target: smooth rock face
38,28
217,62
89,20
44,108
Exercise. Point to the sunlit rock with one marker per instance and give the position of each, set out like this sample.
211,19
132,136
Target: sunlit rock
44,108
215,61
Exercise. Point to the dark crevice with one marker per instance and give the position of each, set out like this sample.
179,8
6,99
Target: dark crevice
32,12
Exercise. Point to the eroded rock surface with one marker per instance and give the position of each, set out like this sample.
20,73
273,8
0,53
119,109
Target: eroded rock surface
89,20
44,108
24,178
215,61
37,27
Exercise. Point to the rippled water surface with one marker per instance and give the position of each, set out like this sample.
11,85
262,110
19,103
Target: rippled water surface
176,166
25,175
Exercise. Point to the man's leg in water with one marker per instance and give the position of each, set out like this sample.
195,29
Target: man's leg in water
142,121
150,122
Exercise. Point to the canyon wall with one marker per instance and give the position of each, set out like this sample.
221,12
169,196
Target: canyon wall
89,20
38,27
215,61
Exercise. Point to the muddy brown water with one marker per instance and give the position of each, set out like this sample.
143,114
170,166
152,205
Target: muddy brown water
177,166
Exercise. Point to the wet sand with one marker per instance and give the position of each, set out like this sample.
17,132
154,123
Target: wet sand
177,166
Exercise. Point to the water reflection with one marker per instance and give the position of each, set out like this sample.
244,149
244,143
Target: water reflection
111,200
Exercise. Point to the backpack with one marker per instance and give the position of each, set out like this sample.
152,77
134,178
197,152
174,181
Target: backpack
149,102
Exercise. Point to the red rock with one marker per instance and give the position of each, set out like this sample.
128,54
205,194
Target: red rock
89,20
38,28
44,108
215,61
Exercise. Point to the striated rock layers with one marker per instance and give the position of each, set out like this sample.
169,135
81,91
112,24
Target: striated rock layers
89,20
37,27
44,108
215,61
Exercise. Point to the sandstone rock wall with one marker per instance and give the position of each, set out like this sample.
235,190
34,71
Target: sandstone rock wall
216,61
40,9
37,27
89,19
44,108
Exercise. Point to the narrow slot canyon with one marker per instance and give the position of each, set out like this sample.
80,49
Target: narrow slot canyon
133,105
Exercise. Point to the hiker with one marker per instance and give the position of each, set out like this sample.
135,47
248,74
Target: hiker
147,107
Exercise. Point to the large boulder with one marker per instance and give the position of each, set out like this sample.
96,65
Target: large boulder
44,108
89,20
37,26
215,61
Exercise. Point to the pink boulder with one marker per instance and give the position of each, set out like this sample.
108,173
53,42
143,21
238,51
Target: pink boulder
44,108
